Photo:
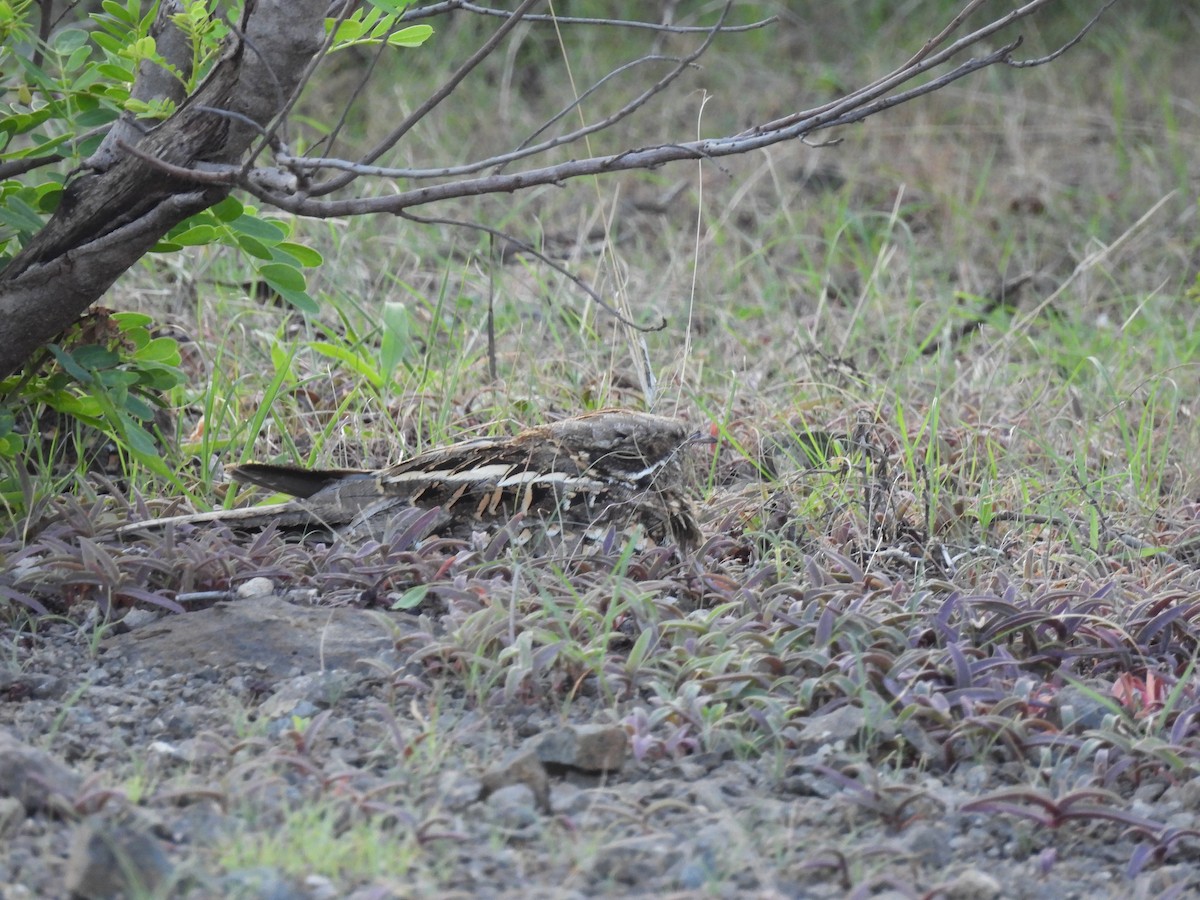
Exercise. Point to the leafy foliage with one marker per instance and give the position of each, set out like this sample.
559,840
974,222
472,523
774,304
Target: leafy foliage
61,95
110,374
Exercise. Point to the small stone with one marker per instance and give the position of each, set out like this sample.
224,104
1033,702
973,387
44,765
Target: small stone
321,888
690,771
262,883
32,776
595,749
255,587
514,803
12,814
1080,710
303,696
109,861
30,685
635,861
1188,795
929,843
262,634
137,618
522,767
970,885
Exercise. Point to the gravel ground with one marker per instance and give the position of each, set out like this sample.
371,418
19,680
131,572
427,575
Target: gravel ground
220,777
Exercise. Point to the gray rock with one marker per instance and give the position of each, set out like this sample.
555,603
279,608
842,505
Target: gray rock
521,767
111,862
972,884
12,814
515,806
35,778
277,638
595,749
304,695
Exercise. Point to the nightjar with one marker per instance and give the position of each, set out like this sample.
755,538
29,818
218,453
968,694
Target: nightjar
568,482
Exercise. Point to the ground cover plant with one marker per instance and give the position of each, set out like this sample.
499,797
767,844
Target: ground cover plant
939,639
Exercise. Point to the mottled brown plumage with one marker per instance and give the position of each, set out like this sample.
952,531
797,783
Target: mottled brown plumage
568,481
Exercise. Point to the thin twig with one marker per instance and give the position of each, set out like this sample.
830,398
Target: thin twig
1042,60
533,251
431,102
439,9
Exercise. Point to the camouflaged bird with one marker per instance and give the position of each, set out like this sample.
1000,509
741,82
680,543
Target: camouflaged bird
570,481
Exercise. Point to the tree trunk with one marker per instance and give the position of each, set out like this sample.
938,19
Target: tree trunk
108,219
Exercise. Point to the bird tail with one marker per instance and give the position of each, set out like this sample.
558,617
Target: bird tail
291,479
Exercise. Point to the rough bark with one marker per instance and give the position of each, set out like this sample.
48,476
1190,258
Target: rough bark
109,218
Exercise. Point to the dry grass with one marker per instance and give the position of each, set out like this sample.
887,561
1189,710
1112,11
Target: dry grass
1029,457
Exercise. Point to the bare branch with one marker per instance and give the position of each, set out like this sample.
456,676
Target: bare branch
1042,60
943,34
523,151
854,107
438,9
800,125
15,167
434,100
634,105
924,63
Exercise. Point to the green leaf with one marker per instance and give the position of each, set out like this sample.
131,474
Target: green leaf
129,320
141,49
138,439
11,445
93,356
115,72
161,350
350,359
253,246
395,343
48,200
18,214
412,36
75,63
69,40
96,118
262,229
283,277
158,108
412,597
196,236
107,42
391,7
301,300
119,380
25,121
69,365
139,408
305,256
86,409
228,210
347,31
156,377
